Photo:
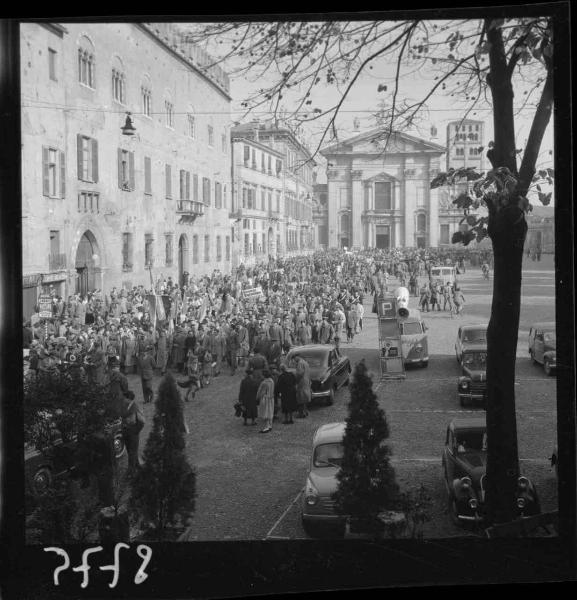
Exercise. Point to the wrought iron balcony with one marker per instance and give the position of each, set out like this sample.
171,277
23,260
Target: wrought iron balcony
56,262
189,210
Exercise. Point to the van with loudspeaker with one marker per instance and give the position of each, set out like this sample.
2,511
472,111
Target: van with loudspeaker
414,341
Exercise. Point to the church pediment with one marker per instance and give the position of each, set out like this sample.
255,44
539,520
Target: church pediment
383,176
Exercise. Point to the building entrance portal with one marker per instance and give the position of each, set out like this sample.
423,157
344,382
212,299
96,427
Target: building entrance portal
421,241
87,256
382,236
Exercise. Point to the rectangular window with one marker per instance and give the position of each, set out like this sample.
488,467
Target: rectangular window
269,166
383,196
206,191
169,111
420,196
148,250
247,244
206,248
53,173
89,202
184,185
262,162
195,249
263,200
118,86
253,161
191,126
217,195
227,248
168,249
127,251
223,142
195,187
246,156
126,170
87,149
52,64
218,248
278,202
254,243
210,136
146,96
147,175
168,180
278,167
263,245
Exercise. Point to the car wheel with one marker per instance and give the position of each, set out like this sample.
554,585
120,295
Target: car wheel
119,446
42,481
547,367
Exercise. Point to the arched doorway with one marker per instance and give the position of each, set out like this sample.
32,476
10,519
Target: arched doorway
87,257
270,245
183,260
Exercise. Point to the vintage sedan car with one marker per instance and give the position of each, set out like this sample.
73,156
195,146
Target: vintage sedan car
329,370
57,458
543,345
464,463
469,335
472,384
317,508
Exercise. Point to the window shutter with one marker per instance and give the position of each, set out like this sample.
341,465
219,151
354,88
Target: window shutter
79,155
147,176
45,172
62,175
195,187
168,174
188,185
131,170
246,154
94,160
120,182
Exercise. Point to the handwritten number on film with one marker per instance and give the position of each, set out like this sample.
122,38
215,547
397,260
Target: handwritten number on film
144,552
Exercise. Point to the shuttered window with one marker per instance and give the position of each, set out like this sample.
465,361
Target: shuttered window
126,179
206,191
246,156
195,187
195,249
87,151
147,175
206,248
218,248
168,178
227,248
53,173
217,195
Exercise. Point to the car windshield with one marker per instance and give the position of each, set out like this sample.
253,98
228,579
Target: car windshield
475,360
315,360
328,455
411,328
475,335
471,441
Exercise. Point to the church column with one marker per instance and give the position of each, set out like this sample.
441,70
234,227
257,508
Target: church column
357,206
433,163
332,209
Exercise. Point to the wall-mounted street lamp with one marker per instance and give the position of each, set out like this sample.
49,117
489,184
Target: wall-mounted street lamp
128,128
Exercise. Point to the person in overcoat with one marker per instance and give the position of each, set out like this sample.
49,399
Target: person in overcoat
147,365
161,351
178,355
285,390
232,346
129,351
265,399
303,386
247,397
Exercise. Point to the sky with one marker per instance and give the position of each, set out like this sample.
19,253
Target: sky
364,98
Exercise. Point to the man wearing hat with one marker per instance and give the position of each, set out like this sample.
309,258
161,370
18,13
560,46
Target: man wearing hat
326,331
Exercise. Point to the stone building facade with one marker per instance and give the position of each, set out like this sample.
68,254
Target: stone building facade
379,195
296,227
101,208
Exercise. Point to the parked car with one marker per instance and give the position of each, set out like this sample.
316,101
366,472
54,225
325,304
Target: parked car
414,341
469,335
329,370
58,458
464,464
472,384
321,482
543,345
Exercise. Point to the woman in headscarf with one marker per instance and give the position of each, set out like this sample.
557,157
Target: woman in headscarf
265,399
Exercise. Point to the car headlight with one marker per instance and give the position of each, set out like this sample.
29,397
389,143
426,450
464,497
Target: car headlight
463,384
311,494
473,503
466,482
521,502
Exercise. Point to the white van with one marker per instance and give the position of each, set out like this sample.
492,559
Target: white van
444,274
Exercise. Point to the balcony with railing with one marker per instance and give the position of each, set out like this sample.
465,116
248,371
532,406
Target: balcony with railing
56,262
189,210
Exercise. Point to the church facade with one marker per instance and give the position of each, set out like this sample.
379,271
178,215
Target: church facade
378,193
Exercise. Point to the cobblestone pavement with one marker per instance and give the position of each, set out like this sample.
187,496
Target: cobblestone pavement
249,484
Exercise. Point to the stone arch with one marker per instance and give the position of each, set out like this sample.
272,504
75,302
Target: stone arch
87,263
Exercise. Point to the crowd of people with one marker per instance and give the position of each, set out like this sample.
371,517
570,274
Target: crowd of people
201,327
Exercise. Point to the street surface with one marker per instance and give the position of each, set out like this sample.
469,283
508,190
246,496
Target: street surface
249,485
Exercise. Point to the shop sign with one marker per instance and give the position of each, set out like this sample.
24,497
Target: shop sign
53,277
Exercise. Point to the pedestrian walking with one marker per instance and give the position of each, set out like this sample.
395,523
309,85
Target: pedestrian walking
303,386
458,300
285,389
247,397
147,365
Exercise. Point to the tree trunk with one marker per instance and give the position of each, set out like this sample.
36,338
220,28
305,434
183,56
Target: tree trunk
507,231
